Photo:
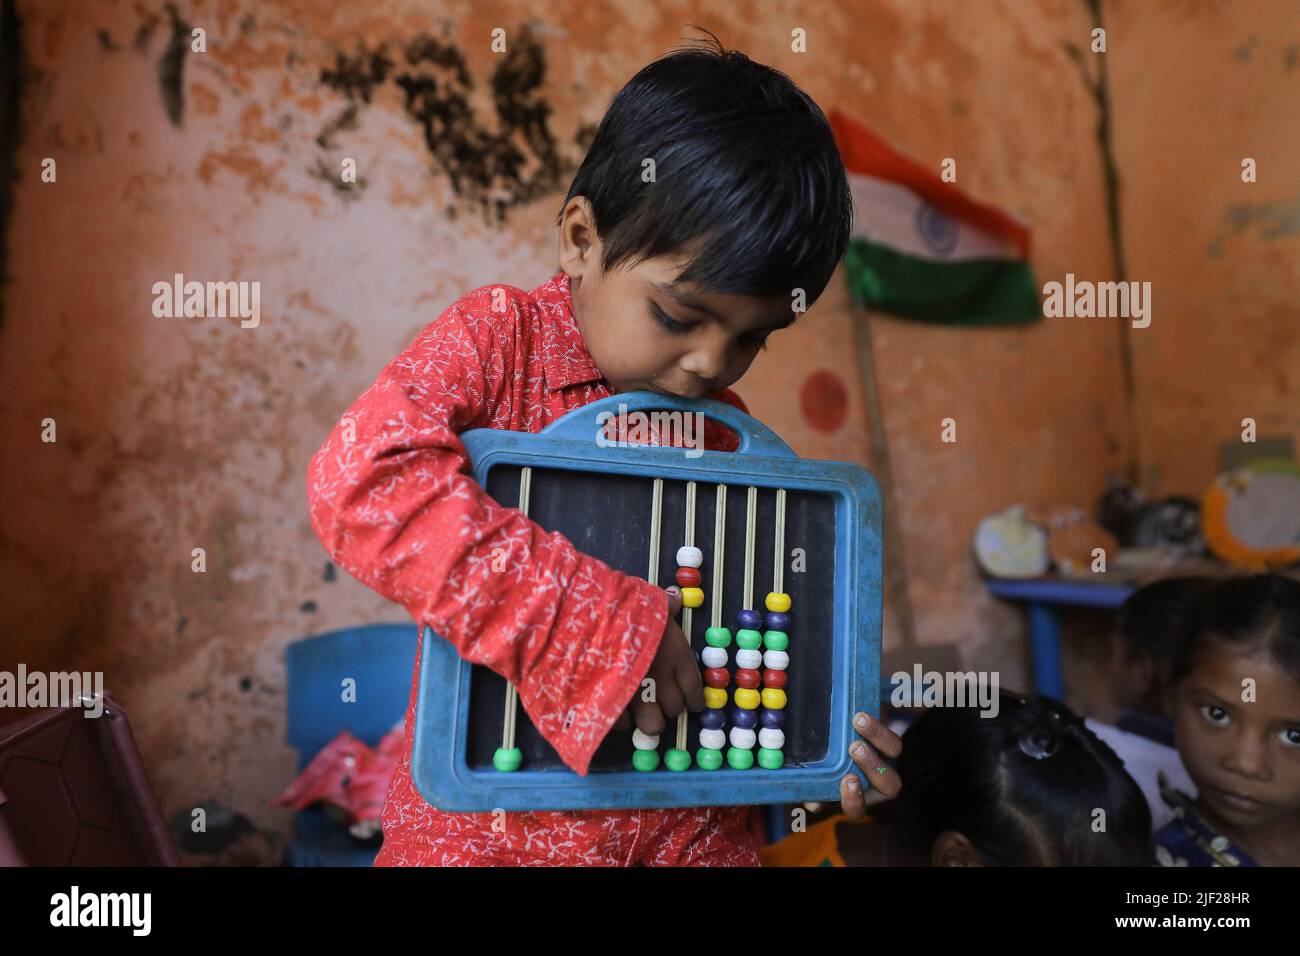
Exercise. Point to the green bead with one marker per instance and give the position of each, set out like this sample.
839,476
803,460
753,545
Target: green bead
770,759
645,759
718,637
739,759
707,759
677,759
776,640
748,640
507,760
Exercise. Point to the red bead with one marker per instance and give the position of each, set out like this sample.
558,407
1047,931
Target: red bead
688,577
773,678
716,676
747,678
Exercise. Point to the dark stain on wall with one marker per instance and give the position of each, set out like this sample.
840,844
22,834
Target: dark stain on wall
11,81
171,68
357,76
224,827
492,166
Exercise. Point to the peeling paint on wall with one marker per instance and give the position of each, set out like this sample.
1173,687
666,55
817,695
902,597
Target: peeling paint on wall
171,68
492,167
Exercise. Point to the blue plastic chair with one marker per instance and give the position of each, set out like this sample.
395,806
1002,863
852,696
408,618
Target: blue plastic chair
381,659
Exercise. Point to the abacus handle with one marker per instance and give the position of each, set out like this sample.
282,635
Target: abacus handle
586,422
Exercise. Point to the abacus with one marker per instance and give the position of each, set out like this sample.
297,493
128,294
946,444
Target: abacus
724,521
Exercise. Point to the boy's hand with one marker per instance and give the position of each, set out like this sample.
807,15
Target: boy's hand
884,786
677,685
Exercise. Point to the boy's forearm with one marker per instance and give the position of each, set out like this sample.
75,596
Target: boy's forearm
393,502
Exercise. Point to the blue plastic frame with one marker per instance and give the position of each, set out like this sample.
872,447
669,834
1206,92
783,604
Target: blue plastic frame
438,765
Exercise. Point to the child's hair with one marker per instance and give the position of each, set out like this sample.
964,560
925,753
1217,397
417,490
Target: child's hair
1023,787
749,183
1154,618
1258,612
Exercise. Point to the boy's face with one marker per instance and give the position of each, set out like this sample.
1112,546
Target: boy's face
1243,756
644,332
1130,676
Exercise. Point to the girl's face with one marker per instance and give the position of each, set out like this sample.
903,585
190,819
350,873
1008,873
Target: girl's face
645,332
1243,755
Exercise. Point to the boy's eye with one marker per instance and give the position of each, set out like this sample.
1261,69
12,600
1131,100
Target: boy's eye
1291,737
1215,715
672,325
681,328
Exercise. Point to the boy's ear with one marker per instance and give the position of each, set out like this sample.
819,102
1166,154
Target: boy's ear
1169,698
579,244
1144,666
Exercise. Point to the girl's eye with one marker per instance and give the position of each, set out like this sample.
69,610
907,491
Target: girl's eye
672,325
1215,715
1291,737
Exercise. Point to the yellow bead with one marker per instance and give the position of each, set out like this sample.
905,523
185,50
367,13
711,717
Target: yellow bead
773,698
692,597
777,602
715,697
747,698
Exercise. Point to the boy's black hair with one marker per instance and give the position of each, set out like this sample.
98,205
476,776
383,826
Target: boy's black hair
1023,787
1153,619
1262,610
749,182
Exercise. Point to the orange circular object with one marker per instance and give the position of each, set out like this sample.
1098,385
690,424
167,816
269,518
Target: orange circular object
1251,515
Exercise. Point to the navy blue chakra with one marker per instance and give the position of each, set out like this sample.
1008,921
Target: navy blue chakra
938,230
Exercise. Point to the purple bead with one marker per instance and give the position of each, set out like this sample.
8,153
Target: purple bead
712,719
777,621
774,719
750,619
744,718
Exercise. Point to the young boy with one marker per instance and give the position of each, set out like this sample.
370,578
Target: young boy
1149,627
674,274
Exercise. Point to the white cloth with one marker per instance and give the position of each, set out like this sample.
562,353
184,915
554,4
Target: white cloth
1143,759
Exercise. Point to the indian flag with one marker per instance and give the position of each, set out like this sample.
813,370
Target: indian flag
921,248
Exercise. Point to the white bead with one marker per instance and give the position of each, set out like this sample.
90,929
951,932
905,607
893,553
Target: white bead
712,739
749,659
644,741
771,738
688,557
714,656
776,660
742,738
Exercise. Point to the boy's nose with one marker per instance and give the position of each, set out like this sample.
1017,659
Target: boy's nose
704,366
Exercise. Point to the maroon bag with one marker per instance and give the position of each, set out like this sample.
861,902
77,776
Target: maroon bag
73,792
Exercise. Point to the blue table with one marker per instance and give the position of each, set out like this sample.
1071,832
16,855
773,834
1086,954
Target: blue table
1042,597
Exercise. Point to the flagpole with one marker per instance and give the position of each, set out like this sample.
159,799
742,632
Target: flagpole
895,568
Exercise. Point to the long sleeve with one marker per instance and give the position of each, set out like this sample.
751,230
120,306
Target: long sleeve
392,499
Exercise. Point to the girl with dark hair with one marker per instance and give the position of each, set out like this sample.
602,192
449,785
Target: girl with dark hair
1027,786
1235,700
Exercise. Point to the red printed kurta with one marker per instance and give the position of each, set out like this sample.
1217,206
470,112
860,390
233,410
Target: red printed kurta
392,499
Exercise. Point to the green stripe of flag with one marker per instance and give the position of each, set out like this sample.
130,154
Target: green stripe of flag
966,292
